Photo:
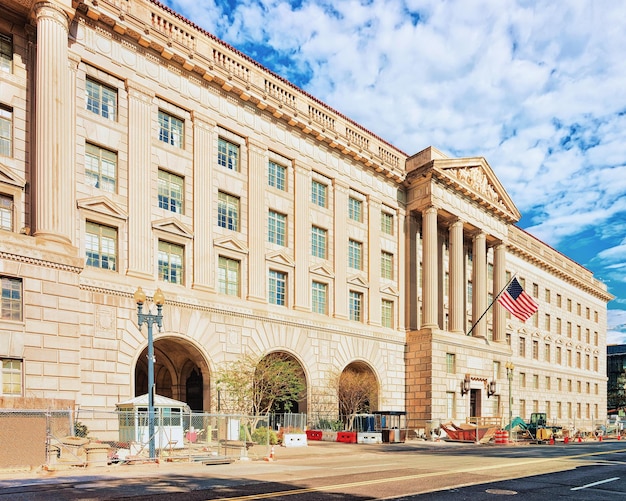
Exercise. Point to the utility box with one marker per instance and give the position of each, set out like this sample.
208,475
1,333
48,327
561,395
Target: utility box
391,424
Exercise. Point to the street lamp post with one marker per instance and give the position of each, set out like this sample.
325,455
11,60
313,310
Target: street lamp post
509,374
150,319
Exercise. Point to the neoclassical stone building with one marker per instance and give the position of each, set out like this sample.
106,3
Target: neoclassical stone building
137,149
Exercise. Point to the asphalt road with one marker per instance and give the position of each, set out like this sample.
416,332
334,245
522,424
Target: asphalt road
327,471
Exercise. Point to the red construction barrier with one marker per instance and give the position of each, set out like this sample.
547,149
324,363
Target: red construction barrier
348,437
314,435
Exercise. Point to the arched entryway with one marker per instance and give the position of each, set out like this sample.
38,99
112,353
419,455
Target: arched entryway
273,363
358,390
180,372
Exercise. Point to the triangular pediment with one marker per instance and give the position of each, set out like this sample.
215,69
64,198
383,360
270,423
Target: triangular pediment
475,178
280,258
323,270
173,226
9,177
358,280
392,291
231,244
102,205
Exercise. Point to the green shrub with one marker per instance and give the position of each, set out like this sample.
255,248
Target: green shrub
260,436
80,430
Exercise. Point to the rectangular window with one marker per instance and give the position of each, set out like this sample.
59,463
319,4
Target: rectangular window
170,129
228,154
6,212
355,306
278,288
522,347
450,363
11,299
558,300
11,376
277,228
559,358
548,296
547,322
228,273
171,259
535,290
171,190
535,381
101,100
318,242
319,194
319,298
101,246
100,168
228,211
6,131
386,313
276,176
355,254
535,350
546,352
522,379
355,209
6,53
386,223
548,383
386,265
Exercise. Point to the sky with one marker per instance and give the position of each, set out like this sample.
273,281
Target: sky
537,87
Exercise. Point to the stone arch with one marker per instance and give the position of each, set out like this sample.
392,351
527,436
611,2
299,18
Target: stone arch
181,372
301,406
364,370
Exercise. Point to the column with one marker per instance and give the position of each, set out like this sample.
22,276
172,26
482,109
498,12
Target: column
302,197
430,263
479,285
373,251
203,202
54,141
412,272
499,282
257,221
341,249
457,287
141,262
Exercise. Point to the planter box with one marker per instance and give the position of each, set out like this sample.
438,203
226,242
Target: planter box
294,440
369,437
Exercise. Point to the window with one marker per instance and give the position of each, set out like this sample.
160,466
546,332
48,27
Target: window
535,381
319,193
522,347
171,189
11,376
355,306
170,129
318,242
6,53
535,290
276,176
228,276
100,168
386,313
450,363
11,299
101,100
278,288
548,383
228,154
535,350
386,265
522,379
558,300
171,262
559,358
6,212
355,258
276,230
546,352
559,327
355,209
228,211
386,223
101,246
548,296
6,131
319,295
547,322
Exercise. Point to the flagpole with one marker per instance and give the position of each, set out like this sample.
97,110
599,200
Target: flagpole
489,307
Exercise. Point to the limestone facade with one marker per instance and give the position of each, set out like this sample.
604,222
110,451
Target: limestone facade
143,151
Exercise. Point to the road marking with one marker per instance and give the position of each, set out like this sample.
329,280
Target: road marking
593,484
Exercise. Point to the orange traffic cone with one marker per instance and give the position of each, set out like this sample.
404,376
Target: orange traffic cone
619,436
600,438
579,439
551,440
271,456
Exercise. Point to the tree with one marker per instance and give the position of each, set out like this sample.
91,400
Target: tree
356,391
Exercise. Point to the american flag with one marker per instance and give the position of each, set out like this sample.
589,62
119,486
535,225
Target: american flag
515,300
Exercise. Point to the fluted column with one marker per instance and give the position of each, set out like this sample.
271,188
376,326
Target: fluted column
54,166
479,281
257,217
302,197
203,202
430,263
341,249
499,282
141,261
457,288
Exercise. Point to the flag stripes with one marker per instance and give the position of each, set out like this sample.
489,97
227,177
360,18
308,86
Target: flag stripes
515,300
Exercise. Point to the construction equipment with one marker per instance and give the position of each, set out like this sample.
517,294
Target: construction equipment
539,430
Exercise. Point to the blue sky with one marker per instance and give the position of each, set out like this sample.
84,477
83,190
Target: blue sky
537,87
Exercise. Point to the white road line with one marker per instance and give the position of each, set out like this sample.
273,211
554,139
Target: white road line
595,483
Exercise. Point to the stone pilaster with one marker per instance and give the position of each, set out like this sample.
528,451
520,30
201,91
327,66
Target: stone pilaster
55,137
430,261
374,255
412,272
140,253
479,284
456,293
341,249
257,221
302,237
499,282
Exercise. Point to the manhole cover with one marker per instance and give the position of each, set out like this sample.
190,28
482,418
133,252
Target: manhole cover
502,492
